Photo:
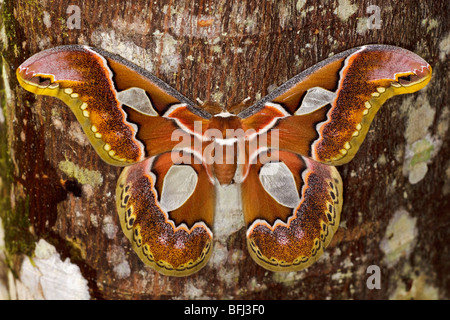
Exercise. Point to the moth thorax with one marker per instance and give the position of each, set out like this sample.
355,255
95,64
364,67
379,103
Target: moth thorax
225,164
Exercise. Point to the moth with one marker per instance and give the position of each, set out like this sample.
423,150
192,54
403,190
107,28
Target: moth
281,151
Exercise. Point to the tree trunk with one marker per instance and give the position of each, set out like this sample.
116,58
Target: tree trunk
60,236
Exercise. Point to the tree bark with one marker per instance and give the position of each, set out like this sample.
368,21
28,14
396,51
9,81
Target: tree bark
57,202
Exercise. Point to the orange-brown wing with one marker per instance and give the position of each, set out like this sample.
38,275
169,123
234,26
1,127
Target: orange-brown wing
324,113
292,209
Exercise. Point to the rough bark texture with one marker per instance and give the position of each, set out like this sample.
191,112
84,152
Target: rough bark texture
57,196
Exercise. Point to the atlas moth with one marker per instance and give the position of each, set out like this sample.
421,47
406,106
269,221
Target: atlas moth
280,151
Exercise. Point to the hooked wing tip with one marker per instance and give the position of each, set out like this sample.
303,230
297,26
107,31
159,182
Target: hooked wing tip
30,78
420,75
